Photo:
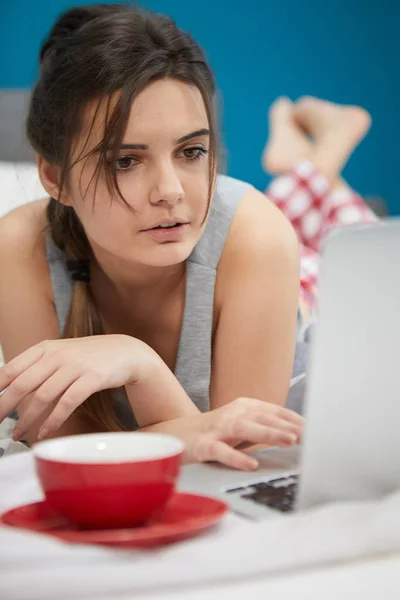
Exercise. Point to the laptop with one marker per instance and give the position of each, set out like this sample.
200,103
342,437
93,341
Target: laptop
351,443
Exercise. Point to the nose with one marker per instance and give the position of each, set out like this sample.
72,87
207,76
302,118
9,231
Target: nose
166,186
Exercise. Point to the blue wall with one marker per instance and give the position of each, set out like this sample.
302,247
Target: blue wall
344,50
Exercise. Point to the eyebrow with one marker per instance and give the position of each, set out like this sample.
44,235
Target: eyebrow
194,134
185,138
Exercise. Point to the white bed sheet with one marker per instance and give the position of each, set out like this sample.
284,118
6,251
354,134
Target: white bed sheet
34,566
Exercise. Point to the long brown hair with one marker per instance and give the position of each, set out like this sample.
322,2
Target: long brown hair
94,53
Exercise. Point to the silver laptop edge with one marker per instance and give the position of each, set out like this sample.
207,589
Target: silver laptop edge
351,446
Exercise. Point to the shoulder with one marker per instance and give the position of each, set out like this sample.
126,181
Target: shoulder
27,311
260,236
22,244
259,225
22,230
227,196
229,192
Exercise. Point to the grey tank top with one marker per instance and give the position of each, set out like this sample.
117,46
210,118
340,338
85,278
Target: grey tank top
193,365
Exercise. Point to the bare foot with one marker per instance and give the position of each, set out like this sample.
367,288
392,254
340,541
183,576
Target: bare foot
287,142
320,118
337,130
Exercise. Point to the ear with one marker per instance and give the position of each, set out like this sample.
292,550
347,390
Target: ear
50,176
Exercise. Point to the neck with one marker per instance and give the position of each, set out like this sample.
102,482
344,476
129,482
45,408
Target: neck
125,277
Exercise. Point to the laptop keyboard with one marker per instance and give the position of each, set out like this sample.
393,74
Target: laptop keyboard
278,494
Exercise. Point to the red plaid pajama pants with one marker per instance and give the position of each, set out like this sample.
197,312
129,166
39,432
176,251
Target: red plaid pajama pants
314,208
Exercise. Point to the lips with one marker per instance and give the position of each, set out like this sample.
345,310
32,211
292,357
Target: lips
167,224
167,234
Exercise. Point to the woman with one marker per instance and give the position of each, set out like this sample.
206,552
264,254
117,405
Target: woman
145,261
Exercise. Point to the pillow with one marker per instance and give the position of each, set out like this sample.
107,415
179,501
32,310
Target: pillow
19,184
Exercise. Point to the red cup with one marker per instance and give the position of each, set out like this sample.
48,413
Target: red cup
109,480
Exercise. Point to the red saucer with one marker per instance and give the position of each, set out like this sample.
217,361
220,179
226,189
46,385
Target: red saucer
184,516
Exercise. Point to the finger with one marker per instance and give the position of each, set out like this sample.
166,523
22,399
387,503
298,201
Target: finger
42,399
220,452
24,385
289,415
252,405
19,364
280,424
244,430
74,396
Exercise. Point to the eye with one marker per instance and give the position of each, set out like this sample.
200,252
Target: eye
194,153
125,162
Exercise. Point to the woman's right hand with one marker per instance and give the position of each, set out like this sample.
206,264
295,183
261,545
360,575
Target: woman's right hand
57,376
217,435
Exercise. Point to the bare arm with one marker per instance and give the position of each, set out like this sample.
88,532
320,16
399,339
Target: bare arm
28,316
257,292
27,312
